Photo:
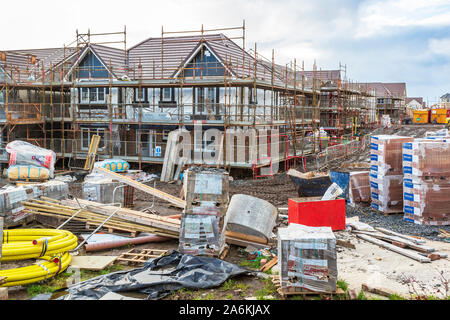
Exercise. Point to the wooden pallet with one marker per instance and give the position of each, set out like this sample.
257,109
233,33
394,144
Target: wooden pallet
284,293
139,256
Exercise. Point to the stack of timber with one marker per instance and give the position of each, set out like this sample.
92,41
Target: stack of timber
402,244
94,214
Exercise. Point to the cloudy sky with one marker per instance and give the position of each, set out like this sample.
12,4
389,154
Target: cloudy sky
378,40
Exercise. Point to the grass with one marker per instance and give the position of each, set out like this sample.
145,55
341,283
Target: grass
35,289
254,264
395,296
361,296
268,289
342,284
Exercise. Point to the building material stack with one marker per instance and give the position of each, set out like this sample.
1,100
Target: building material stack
426,167
202,229
359,188
11,197
386,173
307,259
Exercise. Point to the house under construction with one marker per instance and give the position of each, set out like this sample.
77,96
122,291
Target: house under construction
58,98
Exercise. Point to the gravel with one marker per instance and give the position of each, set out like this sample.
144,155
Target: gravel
395,222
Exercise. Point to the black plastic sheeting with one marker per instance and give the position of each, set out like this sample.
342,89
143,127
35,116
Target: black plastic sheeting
158,277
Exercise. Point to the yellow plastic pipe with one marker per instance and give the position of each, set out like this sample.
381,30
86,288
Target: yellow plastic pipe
51,246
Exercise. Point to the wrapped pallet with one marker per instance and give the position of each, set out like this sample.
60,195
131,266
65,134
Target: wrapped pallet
386,172
102,191
426,167
202,230
114,165
386,154
426,200
359,187
386,193
425,157
307,259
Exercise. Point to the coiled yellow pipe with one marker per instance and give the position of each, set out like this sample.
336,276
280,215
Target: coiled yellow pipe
51,245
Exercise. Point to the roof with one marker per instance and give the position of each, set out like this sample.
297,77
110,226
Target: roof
419,100
164,57
446,96
393,90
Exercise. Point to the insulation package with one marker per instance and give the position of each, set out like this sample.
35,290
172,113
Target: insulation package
24,153
27,173
115,165
386,193
11,197
202,230
307,259
359,187
425,157
426,200
386,154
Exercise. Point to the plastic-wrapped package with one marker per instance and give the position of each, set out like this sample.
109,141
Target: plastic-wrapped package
307,259
115,165
359,187
202,230
386,193
203,233
102,191
27,173
427,200
424,157
386,154
24,153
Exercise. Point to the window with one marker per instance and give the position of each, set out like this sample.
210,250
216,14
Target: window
93,95
166,94
140,94
86,137
252,96
165,135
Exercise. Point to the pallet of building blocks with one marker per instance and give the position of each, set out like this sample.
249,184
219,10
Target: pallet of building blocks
386,193
427,199
202,230
11,197
424,157
359,187
202,234
386,154
307,259
103,191
206,184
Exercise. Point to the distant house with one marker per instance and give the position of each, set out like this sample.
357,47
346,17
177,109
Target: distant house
445,100
390,97
415,103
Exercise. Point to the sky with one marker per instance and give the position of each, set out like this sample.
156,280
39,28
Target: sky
376,40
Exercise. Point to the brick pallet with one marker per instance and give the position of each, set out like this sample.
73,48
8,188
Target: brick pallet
426,165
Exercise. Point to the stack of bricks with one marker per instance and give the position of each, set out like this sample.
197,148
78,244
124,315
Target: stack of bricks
202,229
386,173
426,167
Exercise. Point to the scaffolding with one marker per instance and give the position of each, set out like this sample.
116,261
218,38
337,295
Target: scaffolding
67,103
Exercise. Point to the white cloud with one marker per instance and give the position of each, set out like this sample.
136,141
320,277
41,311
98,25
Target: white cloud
387,15
440,46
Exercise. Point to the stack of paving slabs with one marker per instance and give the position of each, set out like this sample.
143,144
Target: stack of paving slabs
386,173
202,230
307,259
426,167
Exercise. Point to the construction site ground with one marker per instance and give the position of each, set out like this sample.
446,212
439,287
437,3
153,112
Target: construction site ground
366,263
